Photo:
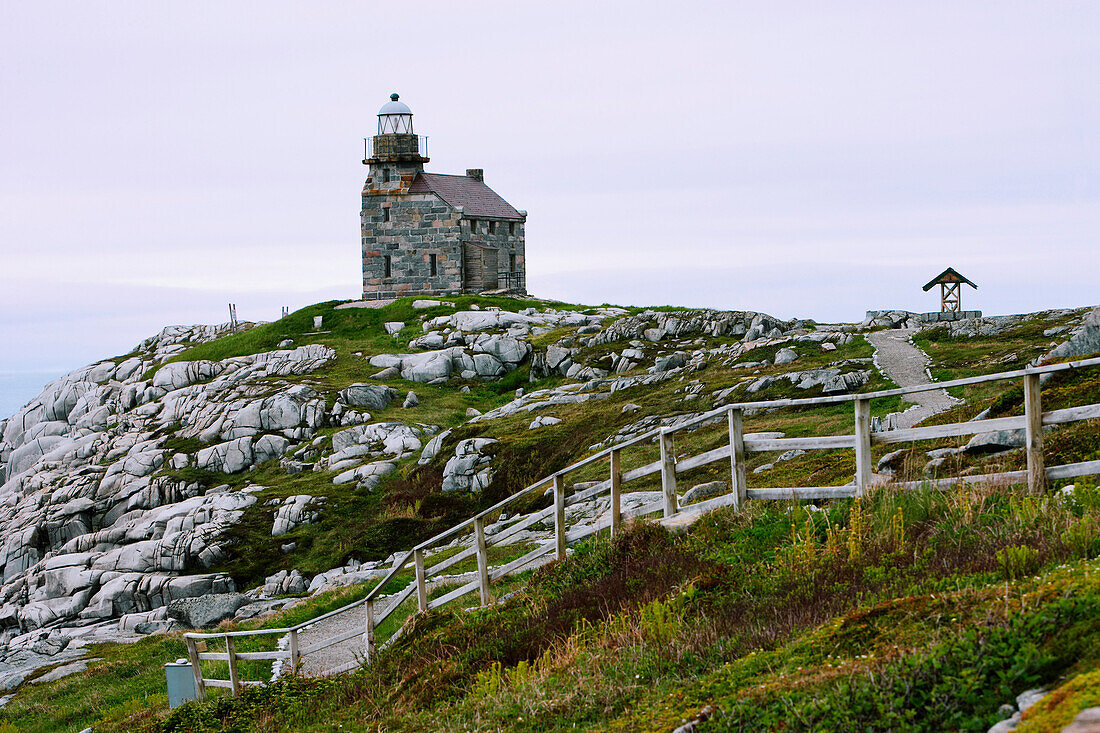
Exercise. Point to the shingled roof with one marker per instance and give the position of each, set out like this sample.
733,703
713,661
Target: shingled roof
475,198
950,276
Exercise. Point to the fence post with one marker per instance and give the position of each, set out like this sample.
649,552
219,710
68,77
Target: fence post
559,514
668,473
863,446
231,650
616,493
193,655
368,635
1033,422
295,654
482,560
421,584
738,482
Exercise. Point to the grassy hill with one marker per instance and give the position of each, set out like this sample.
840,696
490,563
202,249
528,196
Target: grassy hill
917,611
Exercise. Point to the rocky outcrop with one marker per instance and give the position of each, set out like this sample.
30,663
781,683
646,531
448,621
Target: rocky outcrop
656,326
1084,340
487,357
469,469
95,526
206,611
831,381
293,512
372,396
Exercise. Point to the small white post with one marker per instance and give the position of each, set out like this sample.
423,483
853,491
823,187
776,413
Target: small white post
295,654
863,446
616,493
1033,423
482,560
231,651
421,584
368,635
193,655
559,514
738,481
668,473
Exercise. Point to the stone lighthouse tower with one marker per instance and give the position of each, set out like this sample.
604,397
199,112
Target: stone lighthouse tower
431,233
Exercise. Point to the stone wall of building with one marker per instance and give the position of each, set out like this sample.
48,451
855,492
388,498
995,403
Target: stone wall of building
409,230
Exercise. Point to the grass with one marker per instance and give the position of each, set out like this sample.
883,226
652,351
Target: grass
649,629
902,612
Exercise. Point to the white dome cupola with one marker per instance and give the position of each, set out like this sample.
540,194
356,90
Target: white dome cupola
395,117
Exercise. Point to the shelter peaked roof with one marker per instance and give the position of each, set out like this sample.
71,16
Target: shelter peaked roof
475,198
950,275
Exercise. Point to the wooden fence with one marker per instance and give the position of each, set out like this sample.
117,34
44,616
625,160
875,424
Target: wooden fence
376,608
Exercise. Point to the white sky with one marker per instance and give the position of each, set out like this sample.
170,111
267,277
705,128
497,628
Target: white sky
158,160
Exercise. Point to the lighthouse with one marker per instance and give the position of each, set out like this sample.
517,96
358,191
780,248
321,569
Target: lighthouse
432,233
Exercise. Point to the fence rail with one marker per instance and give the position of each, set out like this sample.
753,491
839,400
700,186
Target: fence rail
668,466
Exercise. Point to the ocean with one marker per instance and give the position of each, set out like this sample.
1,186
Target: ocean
18,388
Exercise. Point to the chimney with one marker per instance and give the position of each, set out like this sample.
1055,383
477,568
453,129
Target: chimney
478,174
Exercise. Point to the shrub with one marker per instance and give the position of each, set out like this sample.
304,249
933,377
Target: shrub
1018,561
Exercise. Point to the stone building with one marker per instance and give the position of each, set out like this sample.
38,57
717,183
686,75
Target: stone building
432,233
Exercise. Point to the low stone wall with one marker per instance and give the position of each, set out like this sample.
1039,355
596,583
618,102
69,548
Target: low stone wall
939,317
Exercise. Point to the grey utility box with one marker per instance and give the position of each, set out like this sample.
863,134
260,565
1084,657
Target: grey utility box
181,682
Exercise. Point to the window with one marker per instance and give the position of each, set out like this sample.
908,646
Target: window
433,265
473,226
386,266
386,214
512,262
385,175
512,228
492,227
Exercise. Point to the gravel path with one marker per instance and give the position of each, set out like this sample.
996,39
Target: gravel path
907,365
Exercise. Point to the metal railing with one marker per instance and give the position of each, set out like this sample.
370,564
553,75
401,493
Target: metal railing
421,147
735,449
514,280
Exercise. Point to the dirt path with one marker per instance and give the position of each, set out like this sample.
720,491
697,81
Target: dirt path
907,365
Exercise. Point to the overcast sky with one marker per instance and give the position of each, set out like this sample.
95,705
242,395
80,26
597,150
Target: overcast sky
159,160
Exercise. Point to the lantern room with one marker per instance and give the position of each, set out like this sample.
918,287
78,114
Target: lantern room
395,117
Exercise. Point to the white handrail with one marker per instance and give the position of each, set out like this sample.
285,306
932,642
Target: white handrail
668,466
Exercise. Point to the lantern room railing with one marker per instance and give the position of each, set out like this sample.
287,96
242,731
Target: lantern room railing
421,146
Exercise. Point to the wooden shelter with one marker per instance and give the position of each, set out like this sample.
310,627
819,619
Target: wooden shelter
950,282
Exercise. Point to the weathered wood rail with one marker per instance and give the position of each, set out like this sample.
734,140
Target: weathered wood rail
377,608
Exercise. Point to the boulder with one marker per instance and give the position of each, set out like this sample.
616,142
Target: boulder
367,476
294,512
543,420
393,327
487,366
670,361
785,356
469,468
432,448
431,366
431,341
555,355
998,440
506,349
411,400
206,611
373,396
269,447
229,457
699,492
